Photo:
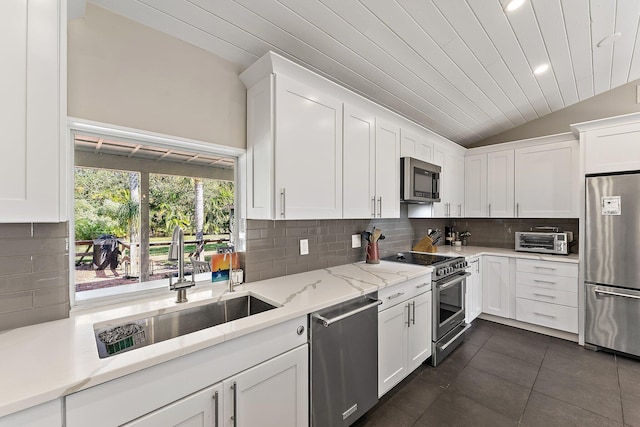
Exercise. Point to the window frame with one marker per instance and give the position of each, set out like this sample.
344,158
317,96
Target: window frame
105,130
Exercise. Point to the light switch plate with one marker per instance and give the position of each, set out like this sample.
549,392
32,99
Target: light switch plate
304,247
356,241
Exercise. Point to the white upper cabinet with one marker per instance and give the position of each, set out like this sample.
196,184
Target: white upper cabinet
475,185
294,151
451,182
547,180
387,203
500,184
359,154
611,145
33,111
415,145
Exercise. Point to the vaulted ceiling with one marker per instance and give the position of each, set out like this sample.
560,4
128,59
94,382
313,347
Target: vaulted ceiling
463,68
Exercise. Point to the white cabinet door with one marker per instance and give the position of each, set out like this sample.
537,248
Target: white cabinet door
392,347
475,185
387,170
612,148
414,145
500,184
272,394
201,409
33,111
451,183
48,414
546,181
308,152
419,331
495,286
359,191
473,305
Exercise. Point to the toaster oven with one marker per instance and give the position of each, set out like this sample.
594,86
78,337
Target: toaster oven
544,242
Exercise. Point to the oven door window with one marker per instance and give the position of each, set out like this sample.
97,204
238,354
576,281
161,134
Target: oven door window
451,300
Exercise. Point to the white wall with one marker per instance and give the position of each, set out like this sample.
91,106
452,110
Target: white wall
124,73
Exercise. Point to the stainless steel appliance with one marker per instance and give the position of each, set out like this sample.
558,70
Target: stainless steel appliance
419,181
448,289
544,242
612,257
344,361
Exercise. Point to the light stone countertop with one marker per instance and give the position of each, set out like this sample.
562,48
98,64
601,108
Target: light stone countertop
50,360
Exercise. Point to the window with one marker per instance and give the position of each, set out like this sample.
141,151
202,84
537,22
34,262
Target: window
128,198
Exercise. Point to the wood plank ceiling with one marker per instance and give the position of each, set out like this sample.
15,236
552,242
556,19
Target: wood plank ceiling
463,68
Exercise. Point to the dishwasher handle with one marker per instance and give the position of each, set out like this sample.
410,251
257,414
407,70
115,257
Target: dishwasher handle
326,322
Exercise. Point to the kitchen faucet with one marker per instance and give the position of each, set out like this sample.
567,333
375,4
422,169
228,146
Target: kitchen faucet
231,284
176,251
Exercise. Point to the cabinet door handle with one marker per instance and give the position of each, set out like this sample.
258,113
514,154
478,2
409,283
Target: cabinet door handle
234,417
408,315
399,294
373,206
413,304
489,210
283,199
215,409
460,210
517,210
544,295
380,210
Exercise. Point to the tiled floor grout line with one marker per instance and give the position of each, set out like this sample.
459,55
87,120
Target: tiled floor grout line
615,358
534,383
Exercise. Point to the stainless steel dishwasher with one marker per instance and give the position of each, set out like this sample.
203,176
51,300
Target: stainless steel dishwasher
344,361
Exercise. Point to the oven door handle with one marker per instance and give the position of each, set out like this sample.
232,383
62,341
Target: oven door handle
443,347
447,285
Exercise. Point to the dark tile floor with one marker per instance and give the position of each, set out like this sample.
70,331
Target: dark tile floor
504,376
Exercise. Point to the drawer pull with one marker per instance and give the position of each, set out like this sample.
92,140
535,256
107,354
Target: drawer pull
544,315
399,294
543,295
544,281
423,285
544,268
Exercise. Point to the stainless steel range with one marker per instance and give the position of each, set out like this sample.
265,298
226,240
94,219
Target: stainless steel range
448,290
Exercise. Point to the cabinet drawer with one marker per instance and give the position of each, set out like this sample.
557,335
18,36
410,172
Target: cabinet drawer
550,315
401,292
547,281
551,296
547,267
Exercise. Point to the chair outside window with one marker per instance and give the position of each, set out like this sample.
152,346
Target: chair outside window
200,266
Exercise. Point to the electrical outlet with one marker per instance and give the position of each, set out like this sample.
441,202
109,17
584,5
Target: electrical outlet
304,247
356,241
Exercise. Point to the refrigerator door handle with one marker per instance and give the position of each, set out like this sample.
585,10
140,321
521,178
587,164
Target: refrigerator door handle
615,294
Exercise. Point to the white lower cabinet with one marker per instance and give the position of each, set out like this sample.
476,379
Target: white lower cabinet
48,414
201,409
496,285
473,307
268,369
404,331
273,393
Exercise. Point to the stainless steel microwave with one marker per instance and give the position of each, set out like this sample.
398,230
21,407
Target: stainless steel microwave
544,242
419,181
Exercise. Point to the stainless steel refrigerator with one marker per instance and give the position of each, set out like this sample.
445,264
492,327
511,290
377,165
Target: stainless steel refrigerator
612,262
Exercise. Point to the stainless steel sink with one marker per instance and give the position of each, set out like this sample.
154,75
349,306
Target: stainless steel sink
117,338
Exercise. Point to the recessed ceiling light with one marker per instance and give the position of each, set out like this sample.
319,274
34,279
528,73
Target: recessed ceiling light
513,5
540,69
609,39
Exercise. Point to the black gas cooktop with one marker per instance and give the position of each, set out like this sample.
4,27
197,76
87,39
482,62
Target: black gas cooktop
417,258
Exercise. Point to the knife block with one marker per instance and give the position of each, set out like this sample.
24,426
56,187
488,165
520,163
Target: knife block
373,255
